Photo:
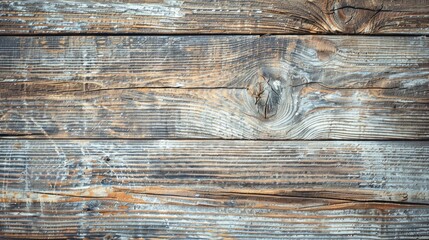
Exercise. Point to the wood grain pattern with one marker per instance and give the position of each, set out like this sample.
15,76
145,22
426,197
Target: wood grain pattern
212,17
215,61
213,189
239,87
312,113
182,137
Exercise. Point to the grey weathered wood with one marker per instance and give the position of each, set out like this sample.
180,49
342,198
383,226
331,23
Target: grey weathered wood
212,17
239,87
310,112
215,61
224,189
211,216
59,92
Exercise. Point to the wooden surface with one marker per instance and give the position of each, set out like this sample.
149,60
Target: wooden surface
178,129
214,189
215,17
196,87
104,62
219,113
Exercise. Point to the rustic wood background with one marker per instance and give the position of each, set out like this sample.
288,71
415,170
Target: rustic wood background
195,119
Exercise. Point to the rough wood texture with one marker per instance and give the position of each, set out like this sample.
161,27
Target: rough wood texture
216,61
211,17
315,113
239,87
214,189
140,137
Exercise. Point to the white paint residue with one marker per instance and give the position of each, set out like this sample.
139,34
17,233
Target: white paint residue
415,83
170,9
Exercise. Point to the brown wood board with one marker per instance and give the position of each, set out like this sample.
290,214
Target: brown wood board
214,189
239,87
215,17
191,119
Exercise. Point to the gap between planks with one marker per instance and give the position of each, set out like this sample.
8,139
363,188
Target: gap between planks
20,137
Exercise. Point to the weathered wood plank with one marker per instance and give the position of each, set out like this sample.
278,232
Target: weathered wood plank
307,112
193,189
215,61
211,17
215,87
124,214
364,171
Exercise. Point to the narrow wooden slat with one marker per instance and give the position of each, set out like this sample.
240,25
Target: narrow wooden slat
215,61
310,112
215,87
364,171
211,17
193,189
224,217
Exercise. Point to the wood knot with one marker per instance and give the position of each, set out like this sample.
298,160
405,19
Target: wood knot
106,181
354,17
109,236
404,197
270,94
267,94
88,209
106,158
91,206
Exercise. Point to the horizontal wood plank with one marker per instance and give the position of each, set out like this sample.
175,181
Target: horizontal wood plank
239,87
215,61
213,189
124,214
310,112
213,17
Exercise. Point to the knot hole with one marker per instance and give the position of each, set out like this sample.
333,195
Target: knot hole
267,93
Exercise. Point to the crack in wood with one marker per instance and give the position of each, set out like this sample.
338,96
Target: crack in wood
217,194
332,11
